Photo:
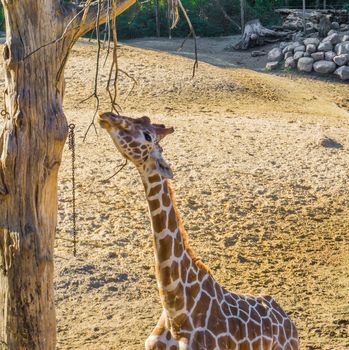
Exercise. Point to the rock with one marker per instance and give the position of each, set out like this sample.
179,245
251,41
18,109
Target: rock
325,46
330,55
341,60
300,48
272,65
317,56
345,38
311,48
275,55
335,25
298,55
290,62
324,67
307,54
333,39
342,48
343,72
305,64
327,142
258,53
332,31
283,44
311,41
288,54
292,46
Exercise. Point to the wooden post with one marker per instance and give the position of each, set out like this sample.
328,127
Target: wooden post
31,145
242,10
325,4
157,18
317,4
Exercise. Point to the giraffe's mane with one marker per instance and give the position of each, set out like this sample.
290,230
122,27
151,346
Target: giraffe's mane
184,233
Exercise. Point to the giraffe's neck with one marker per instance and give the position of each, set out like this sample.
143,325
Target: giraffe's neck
178,272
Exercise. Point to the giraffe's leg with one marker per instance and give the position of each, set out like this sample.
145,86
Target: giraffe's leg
161,338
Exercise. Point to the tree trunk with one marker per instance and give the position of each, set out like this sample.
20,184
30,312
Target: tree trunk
31,145
242,14
157,18
304,19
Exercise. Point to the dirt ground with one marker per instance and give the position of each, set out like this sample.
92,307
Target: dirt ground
263,194
217,51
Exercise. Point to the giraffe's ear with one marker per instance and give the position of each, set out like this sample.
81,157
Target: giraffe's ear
163,168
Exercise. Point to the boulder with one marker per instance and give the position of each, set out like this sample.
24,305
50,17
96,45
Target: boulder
307,54
342,48
341,60
343,72
272,65
325,46
335,25
311,48
324,67
298,55
300,48
345,38
318,56
330,55
275,55
311,41
332,31
305,64
290,63
283,44
291,47
288,54
333,39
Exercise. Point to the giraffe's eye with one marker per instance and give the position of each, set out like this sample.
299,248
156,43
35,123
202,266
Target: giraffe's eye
147,136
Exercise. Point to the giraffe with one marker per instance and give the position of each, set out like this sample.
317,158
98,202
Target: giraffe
198,313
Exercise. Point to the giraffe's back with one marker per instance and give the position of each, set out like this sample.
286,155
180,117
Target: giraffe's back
259,323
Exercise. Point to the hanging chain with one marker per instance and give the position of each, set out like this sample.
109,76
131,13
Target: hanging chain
72,149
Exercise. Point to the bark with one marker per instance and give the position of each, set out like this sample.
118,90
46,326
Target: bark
257,35
31,144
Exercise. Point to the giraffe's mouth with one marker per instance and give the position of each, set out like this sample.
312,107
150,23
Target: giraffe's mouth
107,120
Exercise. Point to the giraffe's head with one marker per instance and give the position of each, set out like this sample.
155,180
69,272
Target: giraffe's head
138,141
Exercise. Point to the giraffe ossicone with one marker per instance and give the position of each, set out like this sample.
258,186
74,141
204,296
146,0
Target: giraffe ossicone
198,313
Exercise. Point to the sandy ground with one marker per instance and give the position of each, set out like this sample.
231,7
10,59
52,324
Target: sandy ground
264,199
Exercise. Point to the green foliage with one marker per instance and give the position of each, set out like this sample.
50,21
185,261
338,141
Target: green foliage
207,17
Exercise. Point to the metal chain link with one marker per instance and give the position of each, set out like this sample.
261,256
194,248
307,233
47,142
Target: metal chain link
72,149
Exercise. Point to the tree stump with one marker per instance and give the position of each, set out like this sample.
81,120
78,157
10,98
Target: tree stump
257,35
